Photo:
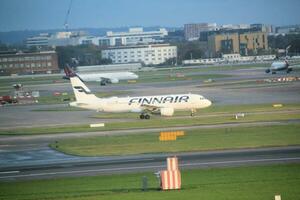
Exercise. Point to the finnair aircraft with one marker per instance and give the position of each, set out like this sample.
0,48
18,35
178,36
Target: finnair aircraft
103,78
164,105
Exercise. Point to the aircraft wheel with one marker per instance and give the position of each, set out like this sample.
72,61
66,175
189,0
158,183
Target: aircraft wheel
147,116
142,116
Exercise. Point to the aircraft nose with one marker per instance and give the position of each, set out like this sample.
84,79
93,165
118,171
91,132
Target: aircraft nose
208,103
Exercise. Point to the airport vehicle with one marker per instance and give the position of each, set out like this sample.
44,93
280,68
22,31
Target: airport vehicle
165,105
7,99
279,66
103,78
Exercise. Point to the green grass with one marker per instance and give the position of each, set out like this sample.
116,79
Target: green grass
194,140
235,183
189,69
163,77
8,82
158,122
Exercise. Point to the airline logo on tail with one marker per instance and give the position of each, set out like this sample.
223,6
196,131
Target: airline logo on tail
69,72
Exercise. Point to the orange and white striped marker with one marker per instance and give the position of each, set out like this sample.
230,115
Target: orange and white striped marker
172,163
170,180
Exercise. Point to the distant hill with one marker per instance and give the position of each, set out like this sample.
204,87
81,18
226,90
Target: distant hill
18,37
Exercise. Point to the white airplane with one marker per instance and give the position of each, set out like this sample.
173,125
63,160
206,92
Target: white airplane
279,66
164,105
103,78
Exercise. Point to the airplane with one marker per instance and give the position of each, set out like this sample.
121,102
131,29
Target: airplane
279,66
103,78
165,105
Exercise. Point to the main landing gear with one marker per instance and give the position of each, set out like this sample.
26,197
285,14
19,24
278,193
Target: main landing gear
193,111
144,116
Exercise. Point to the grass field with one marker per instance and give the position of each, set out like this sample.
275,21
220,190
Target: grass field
158,121
247,183
194,140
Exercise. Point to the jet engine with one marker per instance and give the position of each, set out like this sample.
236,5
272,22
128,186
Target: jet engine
114,80
167,111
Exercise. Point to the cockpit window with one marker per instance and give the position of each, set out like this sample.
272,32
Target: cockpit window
201,98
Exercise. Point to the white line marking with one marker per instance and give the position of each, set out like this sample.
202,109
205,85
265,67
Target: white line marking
149,167
10,172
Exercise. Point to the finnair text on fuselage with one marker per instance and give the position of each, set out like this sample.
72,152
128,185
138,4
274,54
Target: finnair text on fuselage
158,100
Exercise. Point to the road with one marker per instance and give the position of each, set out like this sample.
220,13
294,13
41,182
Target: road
132,164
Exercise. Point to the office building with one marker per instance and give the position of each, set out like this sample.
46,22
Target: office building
192,31
147,54
236,42
56,39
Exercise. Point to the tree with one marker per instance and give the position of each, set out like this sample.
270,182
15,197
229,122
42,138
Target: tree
80,55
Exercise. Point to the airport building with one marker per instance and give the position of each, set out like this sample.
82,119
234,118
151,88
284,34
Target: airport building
192,31
236,42
147,54
28,63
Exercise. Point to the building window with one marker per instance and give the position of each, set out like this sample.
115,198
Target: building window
32,65
49,64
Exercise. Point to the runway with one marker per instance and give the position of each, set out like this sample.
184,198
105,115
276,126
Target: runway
70,167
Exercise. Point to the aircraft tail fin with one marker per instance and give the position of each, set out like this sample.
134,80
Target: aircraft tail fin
69,72
81,91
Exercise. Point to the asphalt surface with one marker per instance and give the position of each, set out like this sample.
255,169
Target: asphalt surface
221,93
29,157
68,166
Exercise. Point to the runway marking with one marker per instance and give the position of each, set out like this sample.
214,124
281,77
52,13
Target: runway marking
10,172
149,167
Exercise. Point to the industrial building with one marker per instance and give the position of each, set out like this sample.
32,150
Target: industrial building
28,63
147,54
